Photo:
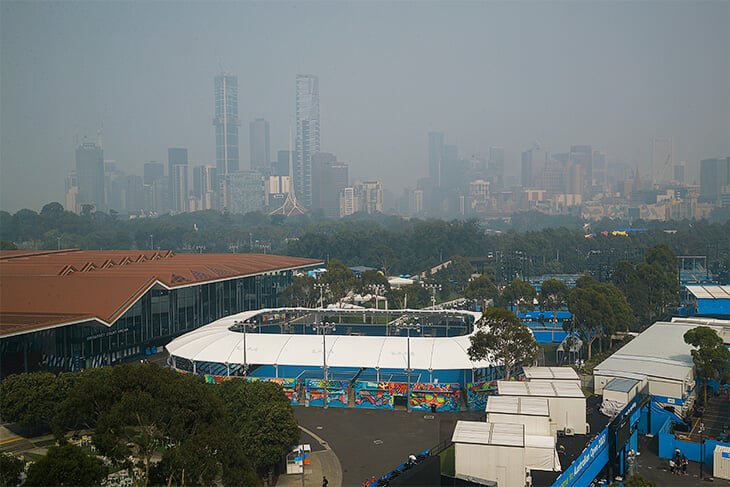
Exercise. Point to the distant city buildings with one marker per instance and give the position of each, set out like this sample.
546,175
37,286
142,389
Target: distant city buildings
580,181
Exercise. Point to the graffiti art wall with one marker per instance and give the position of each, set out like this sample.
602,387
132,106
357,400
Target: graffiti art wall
337,393
477,393
435,397
425,396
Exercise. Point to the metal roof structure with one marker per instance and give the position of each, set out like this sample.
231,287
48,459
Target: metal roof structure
539,389
659,352
709,292
550,373
219,342
498,434
527,406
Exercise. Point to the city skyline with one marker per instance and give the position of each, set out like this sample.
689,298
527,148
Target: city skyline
520,76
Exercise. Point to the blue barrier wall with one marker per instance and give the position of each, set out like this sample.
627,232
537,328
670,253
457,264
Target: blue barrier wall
543,336
588,465
693,451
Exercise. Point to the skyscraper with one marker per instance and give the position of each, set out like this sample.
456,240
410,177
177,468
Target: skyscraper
177,160
90,175
153,171
334,179
435,156
307,138
258,141
226,124
662,159
496,165
318,186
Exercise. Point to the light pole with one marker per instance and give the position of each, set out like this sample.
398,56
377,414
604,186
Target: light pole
321,286
245,325
408,327
433,287
324,328
702,447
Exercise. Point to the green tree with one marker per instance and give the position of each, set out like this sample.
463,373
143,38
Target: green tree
553,295
372,278
66,465
482,289
520,295
301,292
11,470
590,309
711,357
501,335
340,278
263,418
32,400
5,245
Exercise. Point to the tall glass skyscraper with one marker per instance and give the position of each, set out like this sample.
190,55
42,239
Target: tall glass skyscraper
226,124
307,141
90,175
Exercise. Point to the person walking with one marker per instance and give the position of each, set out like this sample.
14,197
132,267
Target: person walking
324,481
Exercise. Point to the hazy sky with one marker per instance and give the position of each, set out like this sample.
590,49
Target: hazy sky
609,74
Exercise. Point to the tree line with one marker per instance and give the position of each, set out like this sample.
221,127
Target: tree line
169,428
530,244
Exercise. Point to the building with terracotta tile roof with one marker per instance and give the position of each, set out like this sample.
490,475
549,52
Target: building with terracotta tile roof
71,309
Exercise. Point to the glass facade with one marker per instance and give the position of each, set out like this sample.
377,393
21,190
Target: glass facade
154,319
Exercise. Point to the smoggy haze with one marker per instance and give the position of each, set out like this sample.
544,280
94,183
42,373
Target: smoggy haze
610,74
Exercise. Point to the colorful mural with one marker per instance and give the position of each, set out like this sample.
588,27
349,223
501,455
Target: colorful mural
477,393
435,397
337,393
379,395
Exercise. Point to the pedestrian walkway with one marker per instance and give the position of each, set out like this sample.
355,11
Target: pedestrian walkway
322,462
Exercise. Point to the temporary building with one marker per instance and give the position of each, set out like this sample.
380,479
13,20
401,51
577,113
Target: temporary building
501,453
659,355
533,412
721,462
566,402
551,374
489,452
618,393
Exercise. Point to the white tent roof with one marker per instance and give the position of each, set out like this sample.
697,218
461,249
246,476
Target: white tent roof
216,342
528,406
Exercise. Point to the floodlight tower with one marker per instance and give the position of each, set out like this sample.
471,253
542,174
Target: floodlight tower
408,327
324,327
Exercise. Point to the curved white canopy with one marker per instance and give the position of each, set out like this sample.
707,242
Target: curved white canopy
216,342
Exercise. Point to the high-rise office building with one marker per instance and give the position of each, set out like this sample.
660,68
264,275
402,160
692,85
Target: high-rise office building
280,166
714,176
258,142
72,192
526,170
177,159
307,138
679,172
334,178
583,154
599,167
205,182
435,157
245,190
662,160
318,160
226,124
153,171
496,165
90,175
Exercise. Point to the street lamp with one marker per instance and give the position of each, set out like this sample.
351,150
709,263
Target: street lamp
433,287
408,327
245,325
321,286
324,328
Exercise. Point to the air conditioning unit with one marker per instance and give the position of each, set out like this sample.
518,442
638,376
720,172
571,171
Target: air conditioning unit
569,432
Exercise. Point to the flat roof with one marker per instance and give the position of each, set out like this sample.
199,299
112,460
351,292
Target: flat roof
708,291
527,406
564,373
540,389
659,351
496,434
619,384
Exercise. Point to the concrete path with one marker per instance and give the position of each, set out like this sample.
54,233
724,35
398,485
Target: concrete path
323,462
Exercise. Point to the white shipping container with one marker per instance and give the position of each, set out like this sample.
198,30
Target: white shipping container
721,461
